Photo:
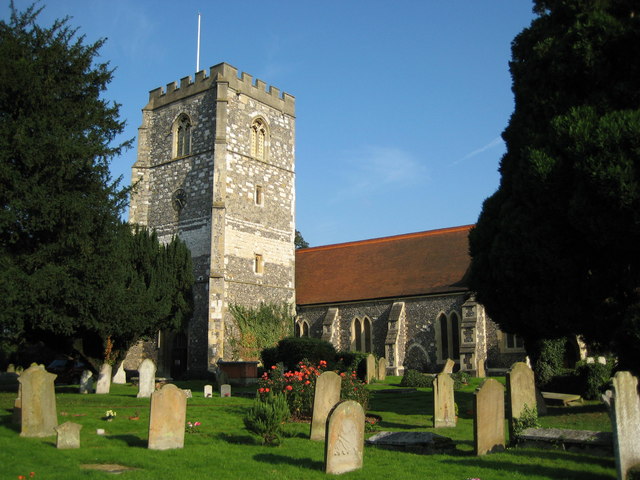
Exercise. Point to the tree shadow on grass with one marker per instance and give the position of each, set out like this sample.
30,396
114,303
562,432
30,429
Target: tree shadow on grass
238,439
130,440
273,459
556,411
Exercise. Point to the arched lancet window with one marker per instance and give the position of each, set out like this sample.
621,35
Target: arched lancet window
361,336
448,337
182,136
356,335
302,328
367,347
258,139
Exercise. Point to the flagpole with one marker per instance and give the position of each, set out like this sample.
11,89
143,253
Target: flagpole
198,49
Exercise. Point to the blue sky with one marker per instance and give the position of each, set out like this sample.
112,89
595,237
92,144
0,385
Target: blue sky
399,104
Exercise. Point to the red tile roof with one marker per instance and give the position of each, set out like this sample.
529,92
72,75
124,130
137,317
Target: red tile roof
404,265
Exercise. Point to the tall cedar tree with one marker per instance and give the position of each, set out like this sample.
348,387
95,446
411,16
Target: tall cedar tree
64,258
555,250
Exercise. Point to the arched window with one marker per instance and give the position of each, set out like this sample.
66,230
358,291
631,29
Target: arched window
361,337
182,136
356,335
448,337
302,328
258,139
367,347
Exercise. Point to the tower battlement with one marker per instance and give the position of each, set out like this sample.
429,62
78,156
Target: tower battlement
222,73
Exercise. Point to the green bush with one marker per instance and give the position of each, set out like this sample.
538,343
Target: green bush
352,362
292,350
460,379
267,417
548,359
594,378
269,357
352,388
528,419
413,378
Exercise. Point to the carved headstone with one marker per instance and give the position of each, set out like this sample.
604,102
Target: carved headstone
103,385
86,381
326,396
382,369
208,391
167,418
488,423
521,391
344,442
371,370
624,409
120,377
146,378
68,435
225,390
444,410
448,366
38,397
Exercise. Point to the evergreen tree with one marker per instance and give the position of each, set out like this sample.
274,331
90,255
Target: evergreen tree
300,242
555,249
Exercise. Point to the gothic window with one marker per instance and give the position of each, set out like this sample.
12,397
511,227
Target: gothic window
361,338
448,337
302,328
182,136
259,195
258,264
258,139
512,343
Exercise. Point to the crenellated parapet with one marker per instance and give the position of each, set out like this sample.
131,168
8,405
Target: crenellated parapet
226,74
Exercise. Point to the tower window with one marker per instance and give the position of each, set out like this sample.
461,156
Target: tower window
182,136
259,198
258,139
258,264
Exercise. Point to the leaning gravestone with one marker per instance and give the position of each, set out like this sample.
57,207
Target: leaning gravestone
344,442
521,391
208,391
86,381
146,378
444,410
38,397
120,377
371,372
225,390
448,366
167,419
488,422
326,396
103,385
382,369
624,409
68,435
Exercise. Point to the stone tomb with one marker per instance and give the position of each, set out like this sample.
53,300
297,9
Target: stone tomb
208,391
624,409
225,390
444,410
521,391
86,381
326,396
103,385
146,378
167,419
68,435
371,370
38,402
488,422
344,439
422,443
382,369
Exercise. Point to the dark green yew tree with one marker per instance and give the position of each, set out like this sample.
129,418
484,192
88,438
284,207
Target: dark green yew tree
555,250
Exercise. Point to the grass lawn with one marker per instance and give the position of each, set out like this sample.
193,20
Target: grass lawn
223,449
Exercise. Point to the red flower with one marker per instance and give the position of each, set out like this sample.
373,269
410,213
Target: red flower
21,477
307,382
289,387
266,390
261,390
273,367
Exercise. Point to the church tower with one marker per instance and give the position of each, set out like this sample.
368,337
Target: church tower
216,167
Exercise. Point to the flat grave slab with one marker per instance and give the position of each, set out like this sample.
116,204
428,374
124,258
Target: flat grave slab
576,440
424,443
566,399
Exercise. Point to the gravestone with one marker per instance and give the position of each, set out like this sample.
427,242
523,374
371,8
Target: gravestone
86,381
325,397
448,366
371,372
38,402
488,422
103,385
146,378
624,409
225,390
344,438
382,369
208,391
68,435
444,410
120,377
11,368
521,391
167,418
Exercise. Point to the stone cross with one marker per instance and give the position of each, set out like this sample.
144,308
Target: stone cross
382,369
38,398
344,439
225,390
371,371
624,409
68,435
146,378
444,410
448,366
86,382
521,391
120,377
326,396
488,422
167,418
103,385
208,391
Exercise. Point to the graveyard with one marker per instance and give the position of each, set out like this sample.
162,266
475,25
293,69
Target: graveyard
217,445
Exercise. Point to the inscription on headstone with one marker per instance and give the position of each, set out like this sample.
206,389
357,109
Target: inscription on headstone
444,410
488,423
326,396
146,378
38,402
167,418
344,439
103,385
68,435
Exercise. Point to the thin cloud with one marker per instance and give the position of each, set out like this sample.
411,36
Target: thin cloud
493,143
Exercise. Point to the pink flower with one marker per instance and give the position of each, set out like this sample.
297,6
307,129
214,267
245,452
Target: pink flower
197,424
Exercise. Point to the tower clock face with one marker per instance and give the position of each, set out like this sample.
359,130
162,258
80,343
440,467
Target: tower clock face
179,199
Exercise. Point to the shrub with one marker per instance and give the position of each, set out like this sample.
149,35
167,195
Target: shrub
548,359
292,350
460,379
528,419
269,357
267,417
594,378
413,378
352,388
352,361
258,328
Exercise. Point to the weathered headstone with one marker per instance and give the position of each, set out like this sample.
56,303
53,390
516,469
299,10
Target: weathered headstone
382,369
225,390
11,368
38,402
602,360
325,397
448,366
120,377
444,410
86,381
68,435
488,423
167,418
146,378
344,440
103,385
624,409
521,391
371,370
208,391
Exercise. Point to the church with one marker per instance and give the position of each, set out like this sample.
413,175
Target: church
216,167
